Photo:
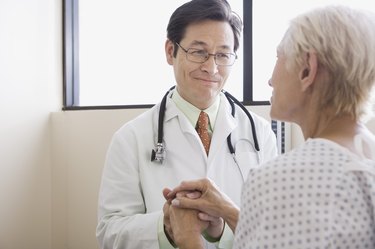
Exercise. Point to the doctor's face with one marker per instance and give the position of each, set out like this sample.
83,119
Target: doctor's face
200,83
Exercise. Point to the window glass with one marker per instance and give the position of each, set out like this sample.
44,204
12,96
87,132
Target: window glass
121,52
270,21
121,48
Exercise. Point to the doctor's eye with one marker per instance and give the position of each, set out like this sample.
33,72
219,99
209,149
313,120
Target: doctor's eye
199,53
223,56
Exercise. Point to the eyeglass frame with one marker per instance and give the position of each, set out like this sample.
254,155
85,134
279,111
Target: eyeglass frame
207,55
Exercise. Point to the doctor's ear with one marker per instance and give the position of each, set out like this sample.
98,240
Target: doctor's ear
169,50
308,72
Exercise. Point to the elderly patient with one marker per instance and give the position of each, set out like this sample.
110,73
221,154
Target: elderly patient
321,194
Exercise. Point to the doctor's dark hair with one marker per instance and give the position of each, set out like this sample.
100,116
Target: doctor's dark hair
196,11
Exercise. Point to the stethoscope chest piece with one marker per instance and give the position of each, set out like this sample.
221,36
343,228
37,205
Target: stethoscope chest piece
158,154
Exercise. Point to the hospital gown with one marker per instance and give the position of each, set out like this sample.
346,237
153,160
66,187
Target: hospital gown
318,196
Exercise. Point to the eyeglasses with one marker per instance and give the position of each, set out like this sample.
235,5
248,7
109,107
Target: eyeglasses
200,56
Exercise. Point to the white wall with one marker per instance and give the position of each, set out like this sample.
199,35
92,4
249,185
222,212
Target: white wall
30,89
80,142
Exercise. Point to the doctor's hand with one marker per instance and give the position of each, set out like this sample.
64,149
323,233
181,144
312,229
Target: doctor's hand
211,201
215,224
186,227
166,219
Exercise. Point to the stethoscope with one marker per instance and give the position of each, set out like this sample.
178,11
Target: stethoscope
158,154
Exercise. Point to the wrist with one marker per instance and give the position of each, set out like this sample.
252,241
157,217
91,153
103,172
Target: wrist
189,240
232,217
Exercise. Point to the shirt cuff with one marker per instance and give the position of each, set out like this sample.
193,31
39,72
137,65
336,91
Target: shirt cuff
163,240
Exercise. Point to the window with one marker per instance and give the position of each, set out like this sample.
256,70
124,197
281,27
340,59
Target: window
113,51
270,21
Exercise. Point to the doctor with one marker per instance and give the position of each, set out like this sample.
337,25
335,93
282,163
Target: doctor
202,40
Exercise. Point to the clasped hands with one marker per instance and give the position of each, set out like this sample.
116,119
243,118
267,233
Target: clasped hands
196,207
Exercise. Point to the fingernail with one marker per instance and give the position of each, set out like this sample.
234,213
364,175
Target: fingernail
175,202
192,195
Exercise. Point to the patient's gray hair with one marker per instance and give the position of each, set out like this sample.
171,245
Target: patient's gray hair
344,41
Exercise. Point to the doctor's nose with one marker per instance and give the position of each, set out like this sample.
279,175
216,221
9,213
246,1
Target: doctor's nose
210,66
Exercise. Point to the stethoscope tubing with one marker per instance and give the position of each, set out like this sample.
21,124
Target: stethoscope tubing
158,153
253,130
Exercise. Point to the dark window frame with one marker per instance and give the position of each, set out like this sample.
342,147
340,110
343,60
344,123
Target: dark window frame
71,60
70,55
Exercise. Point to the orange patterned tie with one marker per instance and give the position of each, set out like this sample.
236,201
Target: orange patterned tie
202,129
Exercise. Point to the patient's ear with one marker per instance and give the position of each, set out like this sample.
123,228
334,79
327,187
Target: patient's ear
308,71
169,49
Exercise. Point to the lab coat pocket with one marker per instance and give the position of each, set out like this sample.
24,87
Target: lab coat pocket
246,156
246,161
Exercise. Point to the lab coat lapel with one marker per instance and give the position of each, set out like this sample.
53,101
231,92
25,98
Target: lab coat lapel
172,111
224,125
186,128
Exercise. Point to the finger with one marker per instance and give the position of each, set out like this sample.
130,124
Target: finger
194,185
184,202
181,194
194,195
212,219
166,209
166,191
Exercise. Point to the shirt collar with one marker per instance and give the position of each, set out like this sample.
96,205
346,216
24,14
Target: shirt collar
192,112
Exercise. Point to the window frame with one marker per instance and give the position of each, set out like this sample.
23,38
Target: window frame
70,54
71,60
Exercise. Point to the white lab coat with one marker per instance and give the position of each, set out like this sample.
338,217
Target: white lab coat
131,199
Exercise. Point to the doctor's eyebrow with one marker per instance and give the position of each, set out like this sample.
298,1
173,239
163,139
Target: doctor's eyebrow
203,44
